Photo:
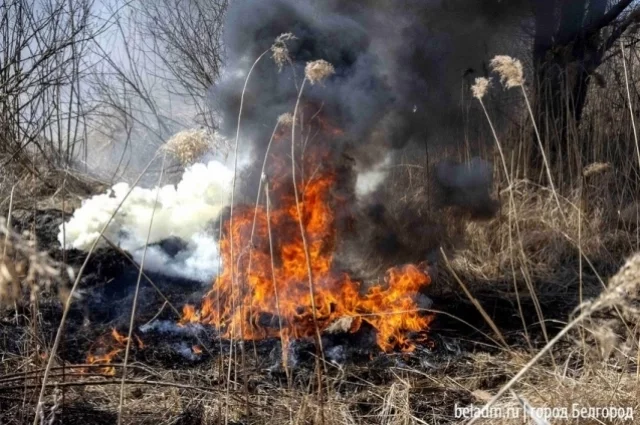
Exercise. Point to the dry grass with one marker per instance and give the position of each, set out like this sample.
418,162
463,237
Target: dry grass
595,365
25,269
549,250
597,385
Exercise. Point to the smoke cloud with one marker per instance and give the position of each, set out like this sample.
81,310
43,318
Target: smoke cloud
399,66
180,242
467,186
399,70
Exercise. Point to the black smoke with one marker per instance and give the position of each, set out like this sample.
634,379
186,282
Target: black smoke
356,97
400,65
402,68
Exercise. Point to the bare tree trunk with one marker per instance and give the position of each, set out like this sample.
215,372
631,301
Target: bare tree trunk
568,48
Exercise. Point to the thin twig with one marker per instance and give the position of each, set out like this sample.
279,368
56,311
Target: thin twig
307,256
635,132
284,342
303,233
586,312
70,297
117,382
476,303
547,167
137,292
9,214
512,206
231,250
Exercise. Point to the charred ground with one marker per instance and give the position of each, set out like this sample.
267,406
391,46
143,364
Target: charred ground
457,338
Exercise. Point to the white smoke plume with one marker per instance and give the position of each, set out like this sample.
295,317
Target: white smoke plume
368,180
183,211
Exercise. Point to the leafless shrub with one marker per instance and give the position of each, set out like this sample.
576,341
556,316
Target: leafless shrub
41,70
186,38
159,85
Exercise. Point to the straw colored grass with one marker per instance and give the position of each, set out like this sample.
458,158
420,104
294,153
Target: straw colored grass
551,246
25,269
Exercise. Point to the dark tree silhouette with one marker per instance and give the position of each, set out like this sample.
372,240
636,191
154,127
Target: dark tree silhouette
572,39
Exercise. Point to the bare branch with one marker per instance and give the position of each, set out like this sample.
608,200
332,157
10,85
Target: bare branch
614,12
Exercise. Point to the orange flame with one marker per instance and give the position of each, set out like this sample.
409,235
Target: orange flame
189,314
104,359
250,299
120,339
105,351
139,342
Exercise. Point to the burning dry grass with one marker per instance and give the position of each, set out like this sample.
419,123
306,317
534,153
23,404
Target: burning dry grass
278,304
545,249
559,256
595,366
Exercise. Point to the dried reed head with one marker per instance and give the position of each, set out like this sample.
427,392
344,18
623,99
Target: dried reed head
480,88
319,70
627,280
596,168
280,51
189,145
623,290
286,119
23,268
509,69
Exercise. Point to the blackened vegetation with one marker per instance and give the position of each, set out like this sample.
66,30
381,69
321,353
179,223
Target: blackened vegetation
105,303
192,354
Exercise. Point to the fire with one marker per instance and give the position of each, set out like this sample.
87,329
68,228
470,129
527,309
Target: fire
104,359
107,349
139,342
120,339
189,314
257,296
